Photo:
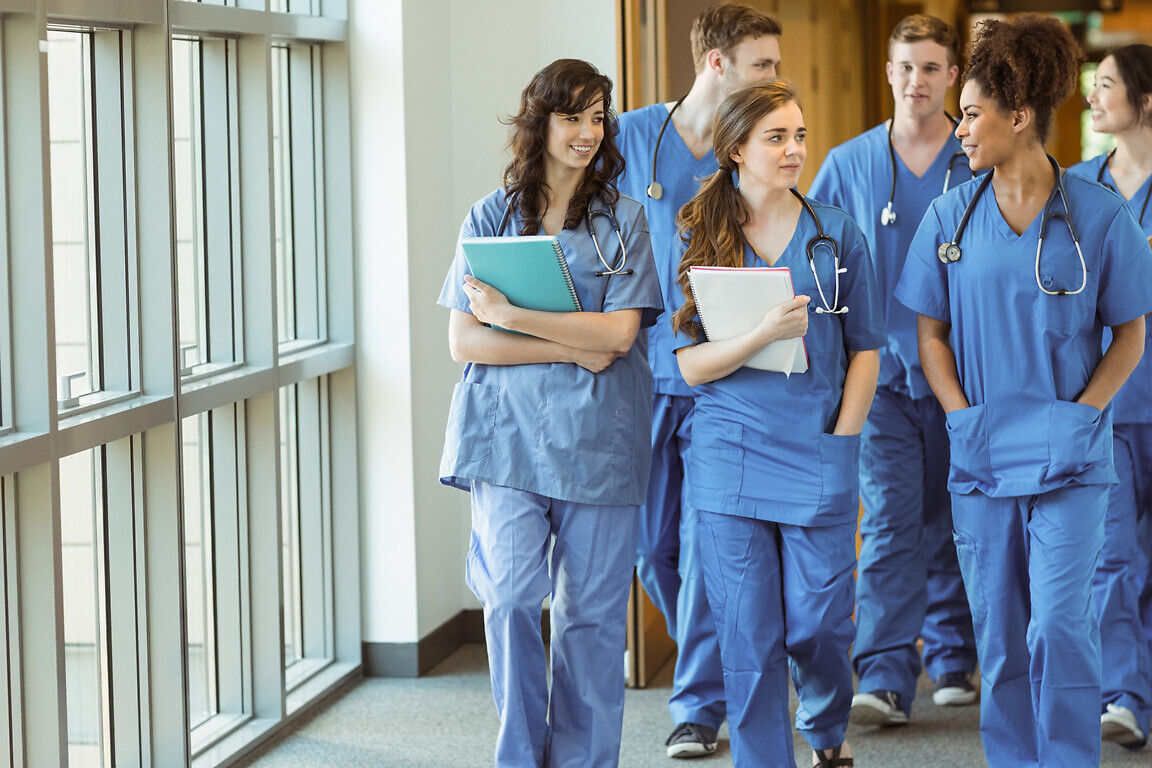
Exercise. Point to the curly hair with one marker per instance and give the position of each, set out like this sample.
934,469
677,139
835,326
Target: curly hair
1134,65
711,222
567,87
723,27
1032,61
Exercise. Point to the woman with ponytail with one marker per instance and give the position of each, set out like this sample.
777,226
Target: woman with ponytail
773,465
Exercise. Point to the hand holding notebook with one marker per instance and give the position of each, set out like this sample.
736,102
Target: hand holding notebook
733,300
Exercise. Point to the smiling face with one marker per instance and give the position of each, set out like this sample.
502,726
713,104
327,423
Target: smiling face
773,155
1112,112
573,140
920,76
753,60
987,132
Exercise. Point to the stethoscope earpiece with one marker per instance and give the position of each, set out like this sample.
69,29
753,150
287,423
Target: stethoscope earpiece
655,190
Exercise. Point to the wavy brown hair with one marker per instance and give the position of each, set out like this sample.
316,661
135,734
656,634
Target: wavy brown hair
1031,61
711,223
567,87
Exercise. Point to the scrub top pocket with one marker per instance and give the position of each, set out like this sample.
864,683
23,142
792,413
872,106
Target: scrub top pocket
470,433
716,459
968,443
1065,314
1079,439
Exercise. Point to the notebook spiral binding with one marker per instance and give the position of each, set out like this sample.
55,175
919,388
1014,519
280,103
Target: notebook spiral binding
699,314
567,275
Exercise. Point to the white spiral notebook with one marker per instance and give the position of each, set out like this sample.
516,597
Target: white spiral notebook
733,300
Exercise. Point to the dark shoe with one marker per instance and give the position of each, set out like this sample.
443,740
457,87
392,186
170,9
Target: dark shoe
691,740
954,689
831,759
877,708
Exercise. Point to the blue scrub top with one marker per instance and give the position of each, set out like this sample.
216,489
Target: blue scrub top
761,442
680,174
857,176
1023,357
557,429
1133,403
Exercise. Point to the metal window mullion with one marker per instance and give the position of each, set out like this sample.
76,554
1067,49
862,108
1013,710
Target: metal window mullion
218,115
110,184
286,272
302,125
207,469
199,221
226,559
6,415
102,608
91,215
323,444
10,679
313,538
319,215
244,596
123,579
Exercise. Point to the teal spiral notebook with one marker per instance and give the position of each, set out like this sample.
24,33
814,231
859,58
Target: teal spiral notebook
530,270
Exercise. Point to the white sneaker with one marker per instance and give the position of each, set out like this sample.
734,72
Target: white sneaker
1118,724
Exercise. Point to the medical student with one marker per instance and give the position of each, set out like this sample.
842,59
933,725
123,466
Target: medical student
908,583
1121,104
668,148
548,429
1014,275
772,470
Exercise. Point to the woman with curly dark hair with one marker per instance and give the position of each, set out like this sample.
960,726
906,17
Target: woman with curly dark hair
549,427
773,465
1014,275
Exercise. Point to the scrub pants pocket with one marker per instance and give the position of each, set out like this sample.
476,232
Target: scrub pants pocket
970,569
715,470
971,465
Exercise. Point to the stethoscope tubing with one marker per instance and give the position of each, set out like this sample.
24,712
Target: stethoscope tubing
608,270
888,214
1100,180
654,189
810,249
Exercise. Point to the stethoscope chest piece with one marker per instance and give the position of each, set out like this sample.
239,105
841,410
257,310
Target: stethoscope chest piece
655,190
949,253
888,215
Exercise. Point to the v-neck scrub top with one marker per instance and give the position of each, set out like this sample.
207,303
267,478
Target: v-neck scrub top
857,177
556,429
761,441
1023,357
1133,403
679,173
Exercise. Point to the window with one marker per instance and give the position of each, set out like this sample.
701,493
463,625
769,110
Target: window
299,204
306,526
8,695
208,263
91,200
86,632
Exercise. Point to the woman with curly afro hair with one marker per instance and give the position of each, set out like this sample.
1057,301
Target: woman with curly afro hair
1015,275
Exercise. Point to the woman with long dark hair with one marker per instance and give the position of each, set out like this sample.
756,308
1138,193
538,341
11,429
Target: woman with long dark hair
549,427
1121,104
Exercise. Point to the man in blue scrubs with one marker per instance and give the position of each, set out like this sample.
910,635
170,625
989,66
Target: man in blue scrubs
668,148
908,580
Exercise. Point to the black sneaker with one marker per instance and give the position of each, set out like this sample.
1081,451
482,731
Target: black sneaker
954,689
877,708
691,740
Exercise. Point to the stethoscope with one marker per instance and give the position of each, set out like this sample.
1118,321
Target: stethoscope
655,190
1100,179
606,211
949,253
888,215
827,242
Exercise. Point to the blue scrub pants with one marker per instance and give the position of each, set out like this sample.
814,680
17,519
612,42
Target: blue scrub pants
589,576
668,565
1121,573
908,582
1028,563
782,598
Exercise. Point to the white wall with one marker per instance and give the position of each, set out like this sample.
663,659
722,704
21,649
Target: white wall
430,80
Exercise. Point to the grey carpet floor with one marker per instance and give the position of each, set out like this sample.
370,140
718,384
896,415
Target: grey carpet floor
446,720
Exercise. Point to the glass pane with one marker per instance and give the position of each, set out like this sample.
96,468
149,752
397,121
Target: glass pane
188,148
7,695
82,518
282,201
290,525
199,570
74,249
